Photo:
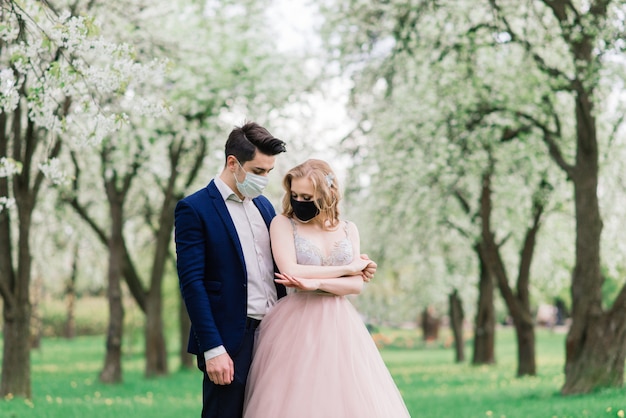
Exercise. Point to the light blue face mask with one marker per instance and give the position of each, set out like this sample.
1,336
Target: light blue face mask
253,185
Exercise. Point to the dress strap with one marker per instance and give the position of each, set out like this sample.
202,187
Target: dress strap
294,226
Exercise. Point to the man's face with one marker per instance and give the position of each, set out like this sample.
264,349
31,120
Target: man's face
260,165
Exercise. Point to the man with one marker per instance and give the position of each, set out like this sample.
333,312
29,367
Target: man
225,266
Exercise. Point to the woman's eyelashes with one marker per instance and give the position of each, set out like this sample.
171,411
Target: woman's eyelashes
304,197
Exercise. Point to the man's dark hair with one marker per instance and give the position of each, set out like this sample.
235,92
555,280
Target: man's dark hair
243,142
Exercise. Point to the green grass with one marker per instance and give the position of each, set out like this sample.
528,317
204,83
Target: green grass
65,384
433,386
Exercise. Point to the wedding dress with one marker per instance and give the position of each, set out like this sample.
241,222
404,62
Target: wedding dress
314,357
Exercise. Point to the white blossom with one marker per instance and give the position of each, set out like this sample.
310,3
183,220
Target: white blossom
9,97
6,202
54,172
8,33
8,167
91,131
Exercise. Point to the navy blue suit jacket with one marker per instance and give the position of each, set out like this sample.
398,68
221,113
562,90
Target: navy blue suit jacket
212,271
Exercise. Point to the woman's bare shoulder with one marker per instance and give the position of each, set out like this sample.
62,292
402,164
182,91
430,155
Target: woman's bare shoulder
350,225
279,220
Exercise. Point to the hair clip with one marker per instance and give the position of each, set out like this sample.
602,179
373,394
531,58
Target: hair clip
329,179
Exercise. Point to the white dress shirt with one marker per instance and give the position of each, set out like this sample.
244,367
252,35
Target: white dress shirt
255,243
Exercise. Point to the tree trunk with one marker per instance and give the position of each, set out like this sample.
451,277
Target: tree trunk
15,282
456,324
16,351
36,326
112,370
600,361
518,303
595,342
156,353
485,326
590,346
587,366
430,325
187,361
526,358
156,350
70,296
17,306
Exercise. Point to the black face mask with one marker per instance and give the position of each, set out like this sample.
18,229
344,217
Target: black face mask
305,210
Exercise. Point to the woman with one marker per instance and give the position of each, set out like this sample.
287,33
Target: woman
313,356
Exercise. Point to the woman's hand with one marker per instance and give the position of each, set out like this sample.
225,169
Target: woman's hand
368,272
358,265
294,282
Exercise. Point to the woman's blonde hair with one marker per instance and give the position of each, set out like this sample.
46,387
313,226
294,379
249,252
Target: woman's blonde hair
326,190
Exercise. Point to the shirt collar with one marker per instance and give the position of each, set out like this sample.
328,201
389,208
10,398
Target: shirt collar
226,192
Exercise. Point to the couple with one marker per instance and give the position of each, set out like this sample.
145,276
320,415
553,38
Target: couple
313,356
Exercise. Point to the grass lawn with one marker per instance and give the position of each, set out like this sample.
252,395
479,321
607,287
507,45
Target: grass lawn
65,384
433,386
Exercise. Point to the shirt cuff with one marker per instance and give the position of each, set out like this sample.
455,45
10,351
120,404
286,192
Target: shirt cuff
214,352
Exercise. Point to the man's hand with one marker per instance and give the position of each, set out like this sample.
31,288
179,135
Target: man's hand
294,282
220,369
368,272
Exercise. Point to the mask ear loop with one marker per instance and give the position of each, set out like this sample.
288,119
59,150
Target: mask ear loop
235,172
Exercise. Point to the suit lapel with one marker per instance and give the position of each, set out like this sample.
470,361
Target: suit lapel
264,208
220,208
265,213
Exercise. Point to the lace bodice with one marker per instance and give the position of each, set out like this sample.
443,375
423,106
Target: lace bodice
308,253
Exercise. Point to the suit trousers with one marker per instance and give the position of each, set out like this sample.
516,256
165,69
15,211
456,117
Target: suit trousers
226,401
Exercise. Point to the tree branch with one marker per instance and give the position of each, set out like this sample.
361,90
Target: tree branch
200,154
559,9
128,269
132,174
80,209
133,281
553,147
462,201
457,228
526,256
492,257
613,133
528,47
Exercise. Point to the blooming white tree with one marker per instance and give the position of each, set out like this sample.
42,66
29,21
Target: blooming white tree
59,79
527,85
220,62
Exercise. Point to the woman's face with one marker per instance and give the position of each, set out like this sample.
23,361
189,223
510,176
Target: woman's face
302,189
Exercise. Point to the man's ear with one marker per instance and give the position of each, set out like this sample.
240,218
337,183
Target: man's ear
231,162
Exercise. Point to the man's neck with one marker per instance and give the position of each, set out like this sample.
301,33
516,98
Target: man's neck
227,177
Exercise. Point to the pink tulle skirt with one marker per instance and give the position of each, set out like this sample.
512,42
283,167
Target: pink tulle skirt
315,358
